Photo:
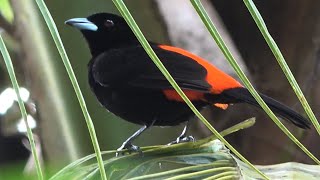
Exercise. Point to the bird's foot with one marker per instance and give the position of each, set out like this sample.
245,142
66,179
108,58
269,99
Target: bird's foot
129,147
182,139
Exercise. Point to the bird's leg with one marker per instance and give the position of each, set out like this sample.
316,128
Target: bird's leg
127,144
183,138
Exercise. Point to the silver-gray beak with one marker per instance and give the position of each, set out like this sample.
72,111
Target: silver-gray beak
82,24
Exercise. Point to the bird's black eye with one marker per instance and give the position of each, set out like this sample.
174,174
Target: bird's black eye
108,23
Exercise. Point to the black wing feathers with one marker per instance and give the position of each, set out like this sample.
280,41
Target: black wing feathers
132,67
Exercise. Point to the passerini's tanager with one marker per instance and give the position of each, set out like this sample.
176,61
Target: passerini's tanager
128,84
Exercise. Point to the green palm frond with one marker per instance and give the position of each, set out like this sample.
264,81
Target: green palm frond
206,158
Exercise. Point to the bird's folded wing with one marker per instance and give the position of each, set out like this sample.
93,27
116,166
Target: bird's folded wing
132,67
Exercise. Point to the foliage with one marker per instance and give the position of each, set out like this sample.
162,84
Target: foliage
206,158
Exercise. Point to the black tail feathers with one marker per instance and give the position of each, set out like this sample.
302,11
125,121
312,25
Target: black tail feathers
238,95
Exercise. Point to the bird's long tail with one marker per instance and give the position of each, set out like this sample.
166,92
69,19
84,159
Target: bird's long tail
238,95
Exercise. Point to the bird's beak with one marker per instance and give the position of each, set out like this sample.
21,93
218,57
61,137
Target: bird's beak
82,24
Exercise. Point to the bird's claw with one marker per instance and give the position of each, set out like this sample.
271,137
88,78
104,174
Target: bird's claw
129,147
182,139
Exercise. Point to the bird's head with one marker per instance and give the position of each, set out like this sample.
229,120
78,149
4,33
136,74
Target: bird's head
104,31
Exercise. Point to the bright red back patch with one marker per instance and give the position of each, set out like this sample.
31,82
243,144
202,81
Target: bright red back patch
172,94
219,80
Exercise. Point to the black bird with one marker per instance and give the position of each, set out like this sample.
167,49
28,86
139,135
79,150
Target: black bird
128,84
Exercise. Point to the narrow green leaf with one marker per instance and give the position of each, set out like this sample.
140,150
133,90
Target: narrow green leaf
169,173
15,85
204,172
55,35
224,175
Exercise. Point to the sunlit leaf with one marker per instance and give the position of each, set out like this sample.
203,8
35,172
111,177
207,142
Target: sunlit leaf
5,10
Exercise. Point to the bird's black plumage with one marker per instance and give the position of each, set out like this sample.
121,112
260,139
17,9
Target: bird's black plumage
128,83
